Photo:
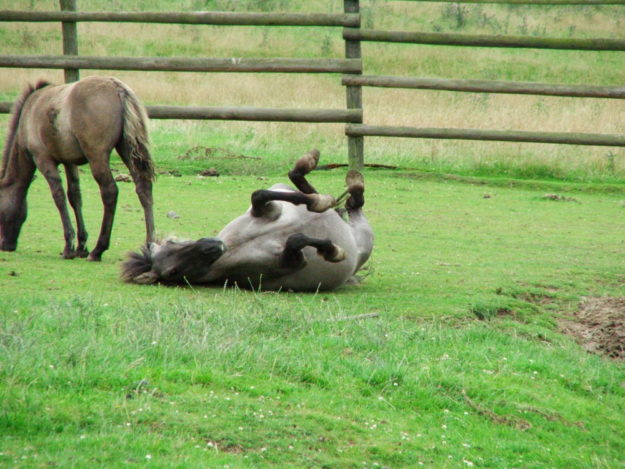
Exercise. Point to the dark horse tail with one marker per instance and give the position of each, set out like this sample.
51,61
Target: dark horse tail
135,132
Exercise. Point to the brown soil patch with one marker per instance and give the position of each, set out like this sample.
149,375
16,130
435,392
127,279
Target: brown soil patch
599,326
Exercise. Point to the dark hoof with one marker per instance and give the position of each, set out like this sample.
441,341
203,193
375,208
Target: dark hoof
308,162
356,187
94,257
337,254
321,202
82,253
68,254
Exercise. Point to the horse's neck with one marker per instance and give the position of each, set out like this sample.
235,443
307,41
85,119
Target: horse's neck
17,167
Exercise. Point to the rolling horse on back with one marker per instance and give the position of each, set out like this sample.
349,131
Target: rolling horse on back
72,125
288,239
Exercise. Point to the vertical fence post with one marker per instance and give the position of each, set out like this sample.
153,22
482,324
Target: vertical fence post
70,40
355,145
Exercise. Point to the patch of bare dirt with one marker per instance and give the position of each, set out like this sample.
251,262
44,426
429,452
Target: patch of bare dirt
599,326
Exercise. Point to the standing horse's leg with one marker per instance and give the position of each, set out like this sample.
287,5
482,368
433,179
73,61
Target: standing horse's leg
75,200
143,188
51,172
357,221
293,258
302,167
108,190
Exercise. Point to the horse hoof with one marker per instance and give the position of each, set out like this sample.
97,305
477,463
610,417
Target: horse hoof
356,187
321,202
308,162
82,253
68,254
94,258
337,255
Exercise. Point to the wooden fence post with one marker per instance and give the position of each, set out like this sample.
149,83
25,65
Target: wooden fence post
355,144
70,40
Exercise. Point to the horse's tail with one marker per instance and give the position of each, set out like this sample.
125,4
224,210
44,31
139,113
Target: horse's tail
135,132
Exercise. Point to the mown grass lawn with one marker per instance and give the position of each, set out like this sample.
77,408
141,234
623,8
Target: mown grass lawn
94,372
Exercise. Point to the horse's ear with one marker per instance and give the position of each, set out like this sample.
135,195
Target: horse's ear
146,278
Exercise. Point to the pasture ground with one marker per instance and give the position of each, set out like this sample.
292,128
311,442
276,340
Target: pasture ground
460,362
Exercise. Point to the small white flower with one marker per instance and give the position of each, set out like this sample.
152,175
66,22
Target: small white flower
148,456
467,462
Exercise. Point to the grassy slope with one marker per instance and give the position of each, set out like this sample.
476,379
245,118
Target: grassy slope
245,378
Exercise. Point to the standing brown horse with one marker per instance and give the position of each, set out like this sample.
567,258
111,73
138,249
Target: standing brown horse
72,125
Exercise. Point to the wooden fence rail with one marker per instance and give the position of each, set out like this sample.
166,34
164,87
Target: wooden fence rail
486,86
482,40
184,64
197,17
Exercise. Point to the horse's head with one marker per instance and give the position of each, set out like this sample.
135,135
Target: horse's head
173,261
12,217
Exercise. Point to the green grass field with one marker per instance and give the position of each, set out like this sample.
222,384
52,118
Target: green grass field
95,372
451,353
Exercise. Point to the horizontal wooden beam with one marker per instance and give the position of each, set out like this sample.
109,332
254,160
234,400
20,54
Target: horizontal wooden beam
483,40
255,114
488,135
486,86
185,64
244,114
197,17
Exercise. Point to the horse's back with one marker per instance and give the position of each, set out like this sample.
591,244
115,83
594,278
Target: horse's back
67,121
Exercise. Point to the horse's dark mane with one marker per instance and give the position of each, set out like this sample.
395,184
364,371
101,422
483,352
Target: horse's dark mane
137,263
14,122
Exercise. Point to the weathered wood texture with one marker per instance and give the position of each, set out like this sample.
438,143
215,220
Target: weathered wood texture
244,113
185,64
482,40
70,40
493,135
487,86
255,114
353,50
198,17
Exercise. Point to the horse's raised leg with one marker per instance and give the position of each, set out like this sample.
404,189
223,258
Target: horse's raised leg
293,258
262,206
51,173
108,191
75,200
357,221
302,167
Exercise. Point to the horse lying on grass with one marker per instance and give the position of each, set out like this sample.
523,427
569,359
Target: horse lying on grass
288,239
72,125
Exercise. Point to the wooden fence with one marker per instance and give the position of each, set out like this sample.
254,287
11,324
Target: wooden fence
349,67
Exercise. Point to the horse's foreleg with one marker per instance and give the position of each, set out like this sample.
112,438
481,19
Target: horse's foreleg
108,191
75,200
51,173
293,258
262,207
302,167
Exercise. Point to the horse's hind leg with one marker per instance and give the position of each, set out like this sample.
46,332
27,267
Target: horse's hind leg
51,173
75,200
262,206
302,167
357,221
293,258
108,191
143,188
